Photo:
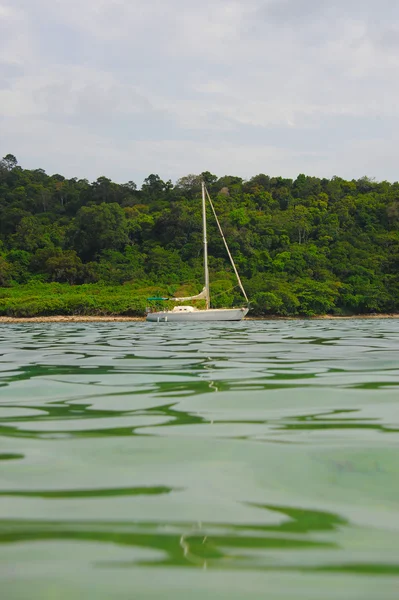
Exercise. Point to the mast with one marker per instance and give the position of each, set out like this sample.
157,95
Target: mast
206,270
226,246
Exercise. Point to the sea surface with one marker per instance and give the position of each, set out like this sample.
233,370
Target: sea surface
231,461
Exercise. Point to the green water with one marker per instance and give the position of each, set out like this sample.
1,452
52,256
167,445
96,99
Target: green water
249,460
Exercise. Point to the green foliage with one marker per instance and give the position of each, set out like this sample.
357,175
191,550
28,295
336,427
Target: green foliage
5,272
97,228
62,299
65,267
316,297
119,267
19,261
303,247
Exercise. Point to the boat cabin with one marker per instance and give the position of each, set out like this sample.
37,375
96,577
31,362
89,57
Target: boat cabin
185,309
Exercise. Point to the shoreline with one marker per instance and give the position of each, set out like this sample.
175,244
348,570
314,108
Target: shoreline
116,318
70,319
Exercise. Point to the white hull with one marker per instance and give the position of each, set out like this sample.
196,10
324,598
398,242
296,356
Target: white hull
212,314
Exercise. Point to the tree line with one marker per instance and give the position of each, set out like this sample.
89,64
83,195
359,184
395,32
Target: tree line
302,246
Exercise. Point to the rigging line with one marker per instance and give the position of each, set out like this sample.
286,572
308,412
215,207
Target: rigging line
226,246
225,291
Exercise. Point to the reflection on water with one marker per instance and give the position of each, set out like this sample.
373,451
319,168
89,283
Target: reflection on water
137,456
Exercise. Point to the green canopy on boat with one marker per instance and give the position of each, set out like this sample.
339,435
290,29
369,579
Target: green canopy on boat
156,298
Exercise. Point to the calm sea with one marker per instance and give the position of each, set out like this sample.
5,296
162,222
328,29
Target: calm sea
232,461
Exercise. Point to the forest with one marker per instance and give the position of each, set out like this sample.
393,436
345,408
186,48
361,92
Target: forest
305,246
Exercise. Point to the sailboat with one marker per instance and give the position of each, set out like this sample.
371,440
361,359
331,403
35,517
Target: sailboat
191,313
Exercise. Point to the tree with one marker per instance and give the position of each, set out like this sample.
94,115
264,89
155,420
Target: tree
10,217
99,228
189,185
5,272
154,188
304,186
65,267
104,190
209,178
130,185
19,261
29,235
9,162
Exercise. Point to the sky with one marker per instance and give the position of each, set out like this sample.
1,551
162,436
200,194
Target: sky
126,88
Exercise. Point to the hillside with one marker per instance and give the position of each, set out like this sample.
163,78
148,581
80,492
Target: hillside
303,247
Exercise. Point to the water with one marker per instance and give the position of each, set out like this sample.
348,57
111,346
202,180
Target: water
248,460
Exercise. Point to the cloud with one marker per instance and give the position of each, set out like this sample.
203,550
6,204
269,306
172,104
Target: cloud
307,12
125,88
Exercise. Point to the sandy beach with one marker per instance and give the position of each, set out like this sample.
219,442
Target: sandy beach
69,319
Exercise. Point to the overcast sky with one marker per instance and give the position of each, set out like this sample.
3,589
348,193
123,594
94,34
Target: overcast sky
125,88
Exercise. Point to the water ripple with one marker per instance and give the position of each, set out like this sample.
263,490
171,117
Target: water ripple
135,454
